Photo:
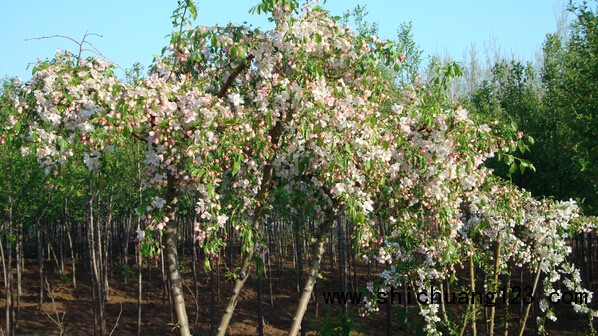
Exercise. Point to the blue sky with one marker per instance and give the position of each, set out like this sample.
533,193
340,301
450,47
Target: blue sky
135,30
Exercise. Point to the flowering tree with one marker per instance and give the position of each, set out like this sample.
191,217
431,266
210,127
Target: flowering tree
445,207
227,114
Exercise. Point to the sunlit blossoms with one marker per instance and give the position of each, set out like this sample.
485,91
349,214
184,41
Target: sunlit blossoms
228,115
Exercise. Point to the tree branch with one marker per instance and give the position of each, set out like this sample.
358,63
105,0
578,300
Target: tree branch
136,135
233,75
81,43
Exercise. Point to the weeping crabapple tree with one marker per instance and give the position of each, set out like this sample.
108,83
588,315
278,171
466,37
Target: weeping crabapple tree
502,230
314,89
55,118
227,114
447,210
218,112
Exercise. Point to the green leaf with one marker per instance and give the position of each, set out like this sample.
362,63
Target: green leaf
348,148
531,166
242,52
62,143
210,190
237,164
304,127
513,168
18,126
141,208
192,9
303,163
531,140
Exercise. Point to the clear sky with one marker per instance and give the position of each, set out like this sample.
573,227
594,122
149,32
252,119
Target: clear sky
135,30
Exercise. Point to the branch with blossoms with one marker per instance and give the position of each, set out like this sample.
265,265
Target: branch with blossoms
231,78
444,205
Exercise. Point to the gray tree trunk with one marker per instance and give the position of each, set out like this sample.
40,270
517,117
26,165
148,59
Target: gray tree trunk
313,272
172,259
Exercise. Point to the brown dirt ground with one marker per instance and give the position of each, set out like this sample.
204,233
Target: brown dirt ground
78,316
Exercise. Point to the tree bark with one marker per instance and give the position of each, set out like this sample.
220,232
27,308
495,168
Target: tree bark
313,272
40,264
526,314
495,283
139,289
73,259
232,301
195,285
5,269
260,307
95,265
342,262
172,261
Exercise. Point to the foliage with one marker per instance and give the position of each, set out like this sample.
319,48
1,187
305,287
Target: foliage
556,106
123,271
336,324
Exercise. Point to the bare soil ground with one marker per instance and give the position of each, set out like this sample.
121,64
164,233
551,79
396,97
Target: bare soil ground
121,316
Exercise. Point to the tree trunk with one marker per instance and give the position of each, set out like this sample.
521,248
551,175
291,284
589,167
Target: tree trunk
95,265
263,197
313,272
269,267
388,317
495,283
472,306
262,201
260,307
212,300
165,287
298,256
195,285
40,264
6,284
73,258
105,247
232,302
526,314
342,263
172,260
19,263
138,257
